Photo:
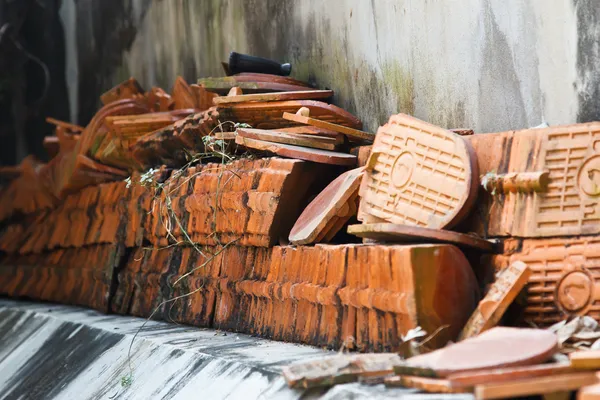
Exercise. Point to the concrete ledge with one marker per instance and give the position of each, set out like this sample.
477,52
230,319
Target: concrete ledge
50,351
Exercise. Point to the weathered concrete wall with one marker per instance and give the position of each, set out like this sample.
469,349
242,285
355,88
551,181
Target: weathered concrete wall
485,64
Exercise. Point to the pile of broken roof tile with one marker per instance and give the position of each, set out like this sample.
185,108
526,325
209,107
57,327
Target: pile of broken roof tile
232,204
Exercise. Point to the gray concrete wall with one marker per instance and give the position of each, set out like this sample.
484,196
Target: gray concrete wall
485,64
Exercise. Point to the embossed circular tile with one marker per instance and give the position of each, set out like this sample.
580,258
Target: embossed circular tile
419,175
574,291
588,177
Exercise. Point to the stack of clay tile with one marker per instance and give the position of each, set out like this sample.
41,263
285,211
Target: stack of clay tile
319,295
247,202
72,250
205,207
104,213
68,222
418,181
26,192
271,126
202,248
81,275
363,296
540,195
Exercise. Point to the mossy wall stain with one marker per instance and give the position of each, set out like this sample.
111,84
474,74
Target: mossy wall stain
380,57
398,81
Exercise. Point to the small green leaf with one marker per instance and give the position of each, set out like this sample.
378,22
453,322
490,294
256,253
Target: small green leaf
126,380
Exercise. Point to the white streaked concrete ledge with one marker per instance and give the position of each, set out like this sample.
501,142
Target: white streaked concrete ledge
50,351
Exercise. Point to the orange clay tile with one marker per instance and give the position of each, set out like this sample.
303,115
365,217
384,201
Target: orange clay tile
270,115
203,97
274,96
516,182
183,95
312,130
430,385
504,290
362,154
462,131
298,152
563,283
66,126
470,379
79,276
394,233
536,386
331,208
125,90
235,91
253,83
341,368
495,348
418,174
28,192
304,116
258,77
313,295
277,136
159,100
565,205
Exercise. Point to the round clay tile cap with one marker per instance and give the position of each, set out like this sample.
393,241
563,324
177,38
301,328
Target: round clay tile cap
574,291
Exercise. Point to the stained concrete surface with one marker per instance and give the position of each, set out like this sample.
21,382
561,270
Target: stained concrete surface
489,65
50,351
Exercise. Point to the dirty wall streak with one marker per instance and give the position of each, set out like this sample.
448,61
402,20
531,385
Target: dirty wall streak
483,64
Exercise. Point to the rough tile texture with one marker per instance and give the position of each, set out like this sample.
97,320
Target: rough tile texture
79,276
246,202
316,295
567,206
564,276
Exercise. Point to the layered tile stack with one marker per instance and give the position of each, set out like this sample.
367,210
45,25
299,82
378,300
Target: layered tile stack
197,242
67,225
246,202
172,144
543,196
70,253
80,276
320,295
539,195
74,222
